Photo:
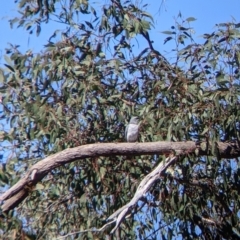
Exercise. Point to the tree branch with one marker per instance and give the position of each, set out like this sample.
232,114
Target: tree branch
142,189
118,216
37,172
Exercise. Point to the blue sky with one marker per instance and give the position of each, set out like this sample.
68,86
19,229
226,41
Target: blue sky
207,13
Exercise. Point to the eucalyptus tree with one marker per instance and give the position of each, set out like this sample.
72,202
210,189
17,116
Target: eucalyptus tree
83,87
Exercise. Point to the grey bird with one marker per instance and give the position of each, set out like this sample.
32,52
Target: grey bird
131,131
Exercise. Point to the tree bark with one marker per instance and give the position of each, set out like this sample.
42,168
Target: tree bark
43,167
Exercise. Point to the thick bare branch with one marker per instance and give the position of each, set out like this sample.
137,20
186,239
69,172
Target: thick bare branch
43,167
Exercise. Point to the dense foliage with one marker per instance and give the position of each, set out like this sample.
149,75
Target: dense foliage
84,85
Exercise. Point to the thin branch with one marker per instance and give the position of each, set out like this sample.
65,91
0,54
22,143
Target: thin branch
142,189
144,186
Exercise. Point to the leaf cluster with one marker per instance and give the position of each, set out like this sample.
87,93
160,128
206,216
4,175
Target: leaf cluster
84,86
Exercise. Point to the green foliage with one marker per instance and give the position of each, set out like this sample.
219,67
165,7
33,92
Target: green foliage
84,86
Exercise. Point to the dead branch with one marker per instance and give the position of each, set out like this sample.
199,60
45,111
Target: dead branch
37,172
142,189
148,181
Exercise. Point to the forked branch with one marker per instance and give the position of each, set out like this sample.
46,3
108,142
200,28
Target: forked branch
148,181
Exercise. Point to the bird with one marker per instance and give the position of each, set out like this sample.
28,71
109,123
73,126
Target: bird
131,131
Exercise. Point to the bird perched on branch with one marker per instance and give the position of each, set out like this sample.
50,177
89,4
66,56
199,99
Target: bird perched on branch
131,131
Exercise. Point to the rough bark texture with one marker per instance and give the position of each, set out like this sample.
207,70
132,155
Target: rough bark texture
20,190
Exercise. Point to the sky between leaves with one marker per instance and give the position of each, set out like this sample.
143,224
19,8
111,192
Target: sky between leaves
207,13
164,13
